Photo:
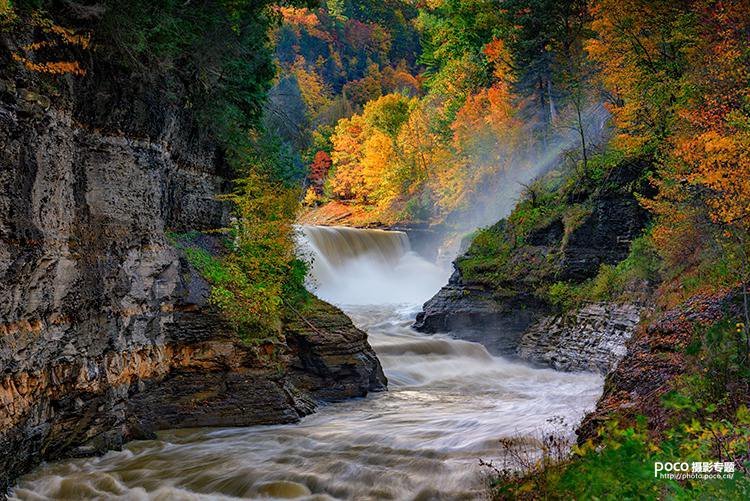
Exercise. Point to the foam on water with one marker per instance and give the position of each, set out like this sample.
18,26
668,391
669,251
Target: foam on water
449,401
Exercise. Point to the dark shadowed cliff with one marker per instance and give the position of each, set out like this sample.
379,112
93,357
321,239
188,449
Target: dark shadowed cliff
105,330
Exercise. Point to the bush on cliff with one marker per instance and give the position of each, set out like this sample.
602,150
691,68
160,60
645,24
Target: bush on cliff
216,59
530,251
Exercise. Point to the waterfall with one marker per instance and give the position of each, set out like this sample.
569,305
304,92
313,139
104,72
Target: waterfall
367,266
449,401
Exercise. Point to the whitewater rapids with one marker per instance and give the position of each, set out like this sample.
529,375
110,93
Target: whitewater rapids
449,401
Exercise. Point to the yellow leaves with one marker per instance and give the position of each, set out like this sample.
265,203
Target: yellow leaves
694,427
311,197
634,51
743,416
581,450
366,162
315,93
393,152
526,487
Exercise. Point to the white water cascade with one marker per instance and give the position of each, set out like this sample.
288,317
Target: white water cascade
355,266
449,402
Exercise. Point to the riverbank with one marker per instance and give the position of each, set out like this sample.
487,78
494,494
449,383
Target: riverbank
448,403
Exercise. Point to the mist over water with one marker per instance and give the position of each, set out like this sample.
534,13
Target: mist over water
499,194
448,403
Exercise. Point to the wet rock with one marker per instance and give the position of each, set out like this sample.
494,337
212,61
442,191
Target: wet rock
592,338
656,355
474,313
105,330
332,359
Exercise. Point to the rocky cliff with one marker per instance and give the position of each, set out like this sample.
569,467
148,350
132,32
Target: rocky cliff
500,287
105,333
592,338
656,355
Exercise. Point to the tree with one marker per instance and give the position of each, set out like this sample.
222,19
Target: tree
319,168
639,47
388,113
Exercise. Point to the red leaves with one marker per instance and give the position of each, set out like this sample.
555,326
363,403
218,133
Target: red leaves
319,168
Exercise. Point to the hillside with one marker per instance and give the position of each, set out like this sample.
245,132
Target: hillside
655,222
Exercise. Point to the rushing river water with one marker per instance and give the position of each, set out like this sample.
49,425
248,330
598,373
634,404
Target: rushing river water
449,401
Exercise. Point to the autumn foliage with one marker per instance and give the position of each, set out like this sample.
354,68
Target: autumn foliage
37,56
319,168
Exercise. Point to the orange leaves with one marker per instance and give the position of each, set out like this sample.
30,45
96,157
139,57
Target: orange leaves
51,68
497,54
680,78
722,165
713,145
346,180
319,168
57,37
303,18
488,109
71,38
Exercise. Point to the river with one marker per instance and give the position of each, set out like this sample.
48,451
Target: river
448,403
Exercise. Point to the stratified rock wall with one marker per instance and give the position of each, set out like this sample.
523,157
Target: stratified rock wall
592,338
657,354
105,333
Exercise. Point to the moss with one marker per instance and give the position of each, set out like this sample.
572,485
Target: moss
573,217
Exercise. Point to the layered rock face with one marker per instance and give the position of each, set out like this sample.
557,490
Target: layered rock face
499,315
105,333
656,355
590,339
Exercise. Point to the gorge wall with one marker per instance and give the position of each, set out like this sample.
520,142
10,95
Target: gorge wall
105,330
499,294
592,338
